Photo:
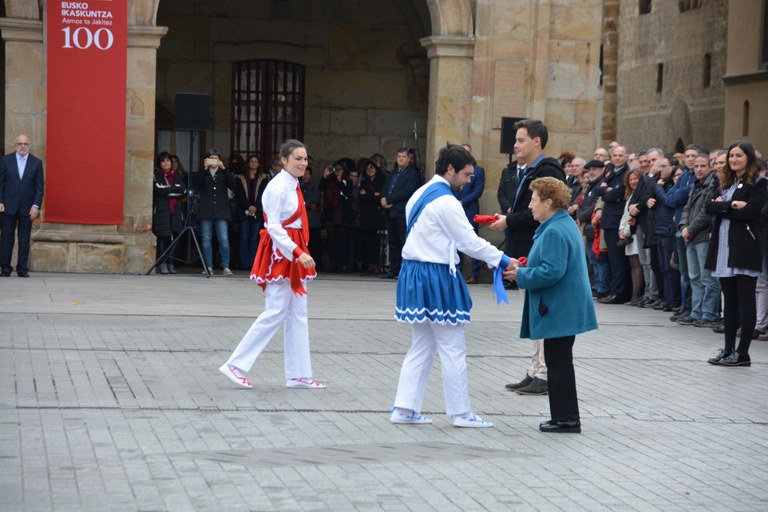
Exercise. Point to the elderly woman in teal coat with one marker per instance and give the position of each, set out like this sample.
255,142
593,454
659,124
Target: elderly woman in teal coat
558,298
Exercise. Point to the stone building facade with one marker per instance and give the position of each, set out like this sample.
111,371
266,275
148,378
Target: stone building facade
372,72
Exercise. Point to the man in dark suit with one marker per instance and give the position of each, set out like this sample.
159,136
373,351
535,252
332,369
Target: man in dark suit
531,136
21,194
469,196
398,189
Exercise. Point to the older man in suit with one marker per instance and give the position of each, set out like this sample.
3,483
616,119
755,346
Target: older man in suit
21,194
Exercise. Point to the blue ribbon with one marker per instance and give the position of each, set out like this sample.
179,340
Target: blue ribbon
498,280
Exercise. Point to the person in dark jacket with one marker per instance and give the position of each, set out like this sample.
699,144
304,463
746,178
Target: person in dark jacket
371,216
469,196
213,208
531,136
168,188
584,214
695,228
736,249
665,235
611,190
401,183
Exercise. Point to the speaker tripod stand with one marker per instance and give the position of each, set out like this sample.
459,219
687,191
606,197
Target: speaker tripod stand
187,229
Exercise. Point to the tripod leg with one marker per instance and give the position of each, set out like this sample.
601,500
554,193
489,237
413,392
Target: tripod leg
199,252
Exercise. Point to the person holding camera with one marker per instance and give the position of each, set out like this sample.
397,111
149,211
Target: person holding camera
282,266
213,208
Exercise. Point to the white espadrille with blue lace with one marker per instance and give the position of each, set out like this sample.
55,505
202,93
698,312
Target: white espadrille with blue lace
408,417
471,421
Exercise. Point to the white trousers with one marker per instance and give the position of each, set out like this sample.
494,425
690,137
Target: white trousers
538,366
281,307
448,341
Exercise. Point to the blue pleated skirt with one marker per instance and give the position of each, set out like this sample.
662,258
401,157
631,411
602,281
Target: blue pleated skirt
427,292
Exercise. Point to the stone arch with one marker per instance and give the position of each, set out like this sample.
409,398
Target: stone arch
451,17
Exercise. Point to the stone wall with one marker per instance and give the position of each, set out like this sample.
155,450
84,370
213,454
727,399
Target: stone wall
684,110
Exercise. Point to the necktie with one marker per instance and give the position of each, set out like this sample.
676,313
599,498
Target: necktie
304,219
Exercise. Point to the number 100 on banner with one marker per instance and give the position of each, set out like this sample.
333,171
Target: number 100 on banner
83,38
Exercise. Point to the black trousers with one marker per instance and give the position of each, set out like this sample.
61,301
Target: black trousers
563,402
739,306
396,237
617,262
9,225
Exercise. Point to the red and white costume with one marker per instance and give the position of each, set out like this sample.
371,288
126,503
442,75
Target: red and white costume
277,270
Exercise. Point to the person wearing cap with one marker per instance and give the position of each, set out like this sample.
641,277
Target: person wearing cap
281,267
213,209
584,215
432,295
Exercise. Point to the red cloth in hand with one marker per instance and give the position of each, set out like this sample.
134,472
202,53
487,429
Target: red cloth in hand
523,260
485,219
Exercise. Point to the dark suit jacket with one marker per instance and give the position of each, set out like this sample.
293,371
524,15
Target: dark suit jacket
520,222
469,196
17,195
614,198
399,188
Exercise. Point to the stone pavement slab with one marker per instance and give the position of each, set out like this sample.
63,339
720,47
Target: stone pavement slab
110,398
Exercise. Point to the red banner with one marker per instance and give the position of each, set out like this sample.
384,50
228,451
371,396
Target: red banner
85,164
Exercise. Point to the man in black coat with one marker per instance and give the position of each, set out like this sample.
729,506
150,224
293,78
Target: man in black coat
612,192
22,183
531,137
398,189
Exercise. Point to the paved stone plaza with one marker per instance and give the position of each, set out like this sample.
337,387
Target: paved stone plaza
110,399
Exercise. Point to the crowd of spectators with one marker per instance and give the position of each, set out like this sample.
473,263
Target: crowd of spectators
682,233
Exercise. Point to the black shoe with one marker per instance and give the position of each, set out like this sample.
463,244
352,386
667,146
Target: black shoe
719,357
608,299
560,427
5,274
22,274
682,313
686,320
662,306
651,304
536,387
388,275
736,360
719,327
704,323
667,308
512,387
678,310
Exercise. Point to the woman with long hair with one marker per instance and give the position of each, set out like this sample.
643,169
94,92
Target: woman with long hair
253,182
371,216
168,187
627,239
736,249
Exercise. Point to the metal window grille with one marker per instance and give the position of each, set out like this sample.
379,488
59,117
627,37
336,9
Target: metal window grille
267,106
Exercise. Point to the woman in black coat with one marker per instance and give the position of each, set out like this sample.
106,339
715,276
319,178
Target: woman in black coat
370,215
168,188
736,249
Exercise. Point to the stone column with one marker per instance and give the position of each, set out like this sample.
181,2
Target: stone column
143,43
450,91
610,69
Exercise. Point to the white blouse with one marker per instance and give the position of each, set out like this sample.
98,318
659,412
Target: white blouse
280,201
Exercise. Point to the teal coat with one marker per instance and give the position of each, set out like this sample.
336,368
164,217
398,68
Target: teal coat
558,298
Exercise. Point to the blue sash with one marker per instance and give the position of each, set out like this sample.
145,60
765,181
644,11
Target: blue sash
434,191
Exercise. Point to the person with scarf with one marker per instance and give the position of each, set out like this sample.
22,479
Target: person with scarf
281,267
168,188
432,295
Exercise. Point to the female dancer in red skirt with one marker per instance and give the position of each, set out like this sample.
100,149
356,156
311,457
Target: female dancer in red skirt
281,267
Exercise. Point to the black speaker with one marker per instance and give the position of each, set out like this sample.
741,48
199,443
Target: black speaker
508,133
193,111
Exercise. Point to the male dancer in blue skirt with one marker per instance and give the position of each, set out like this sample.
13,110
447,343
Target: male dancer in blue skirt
433,297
